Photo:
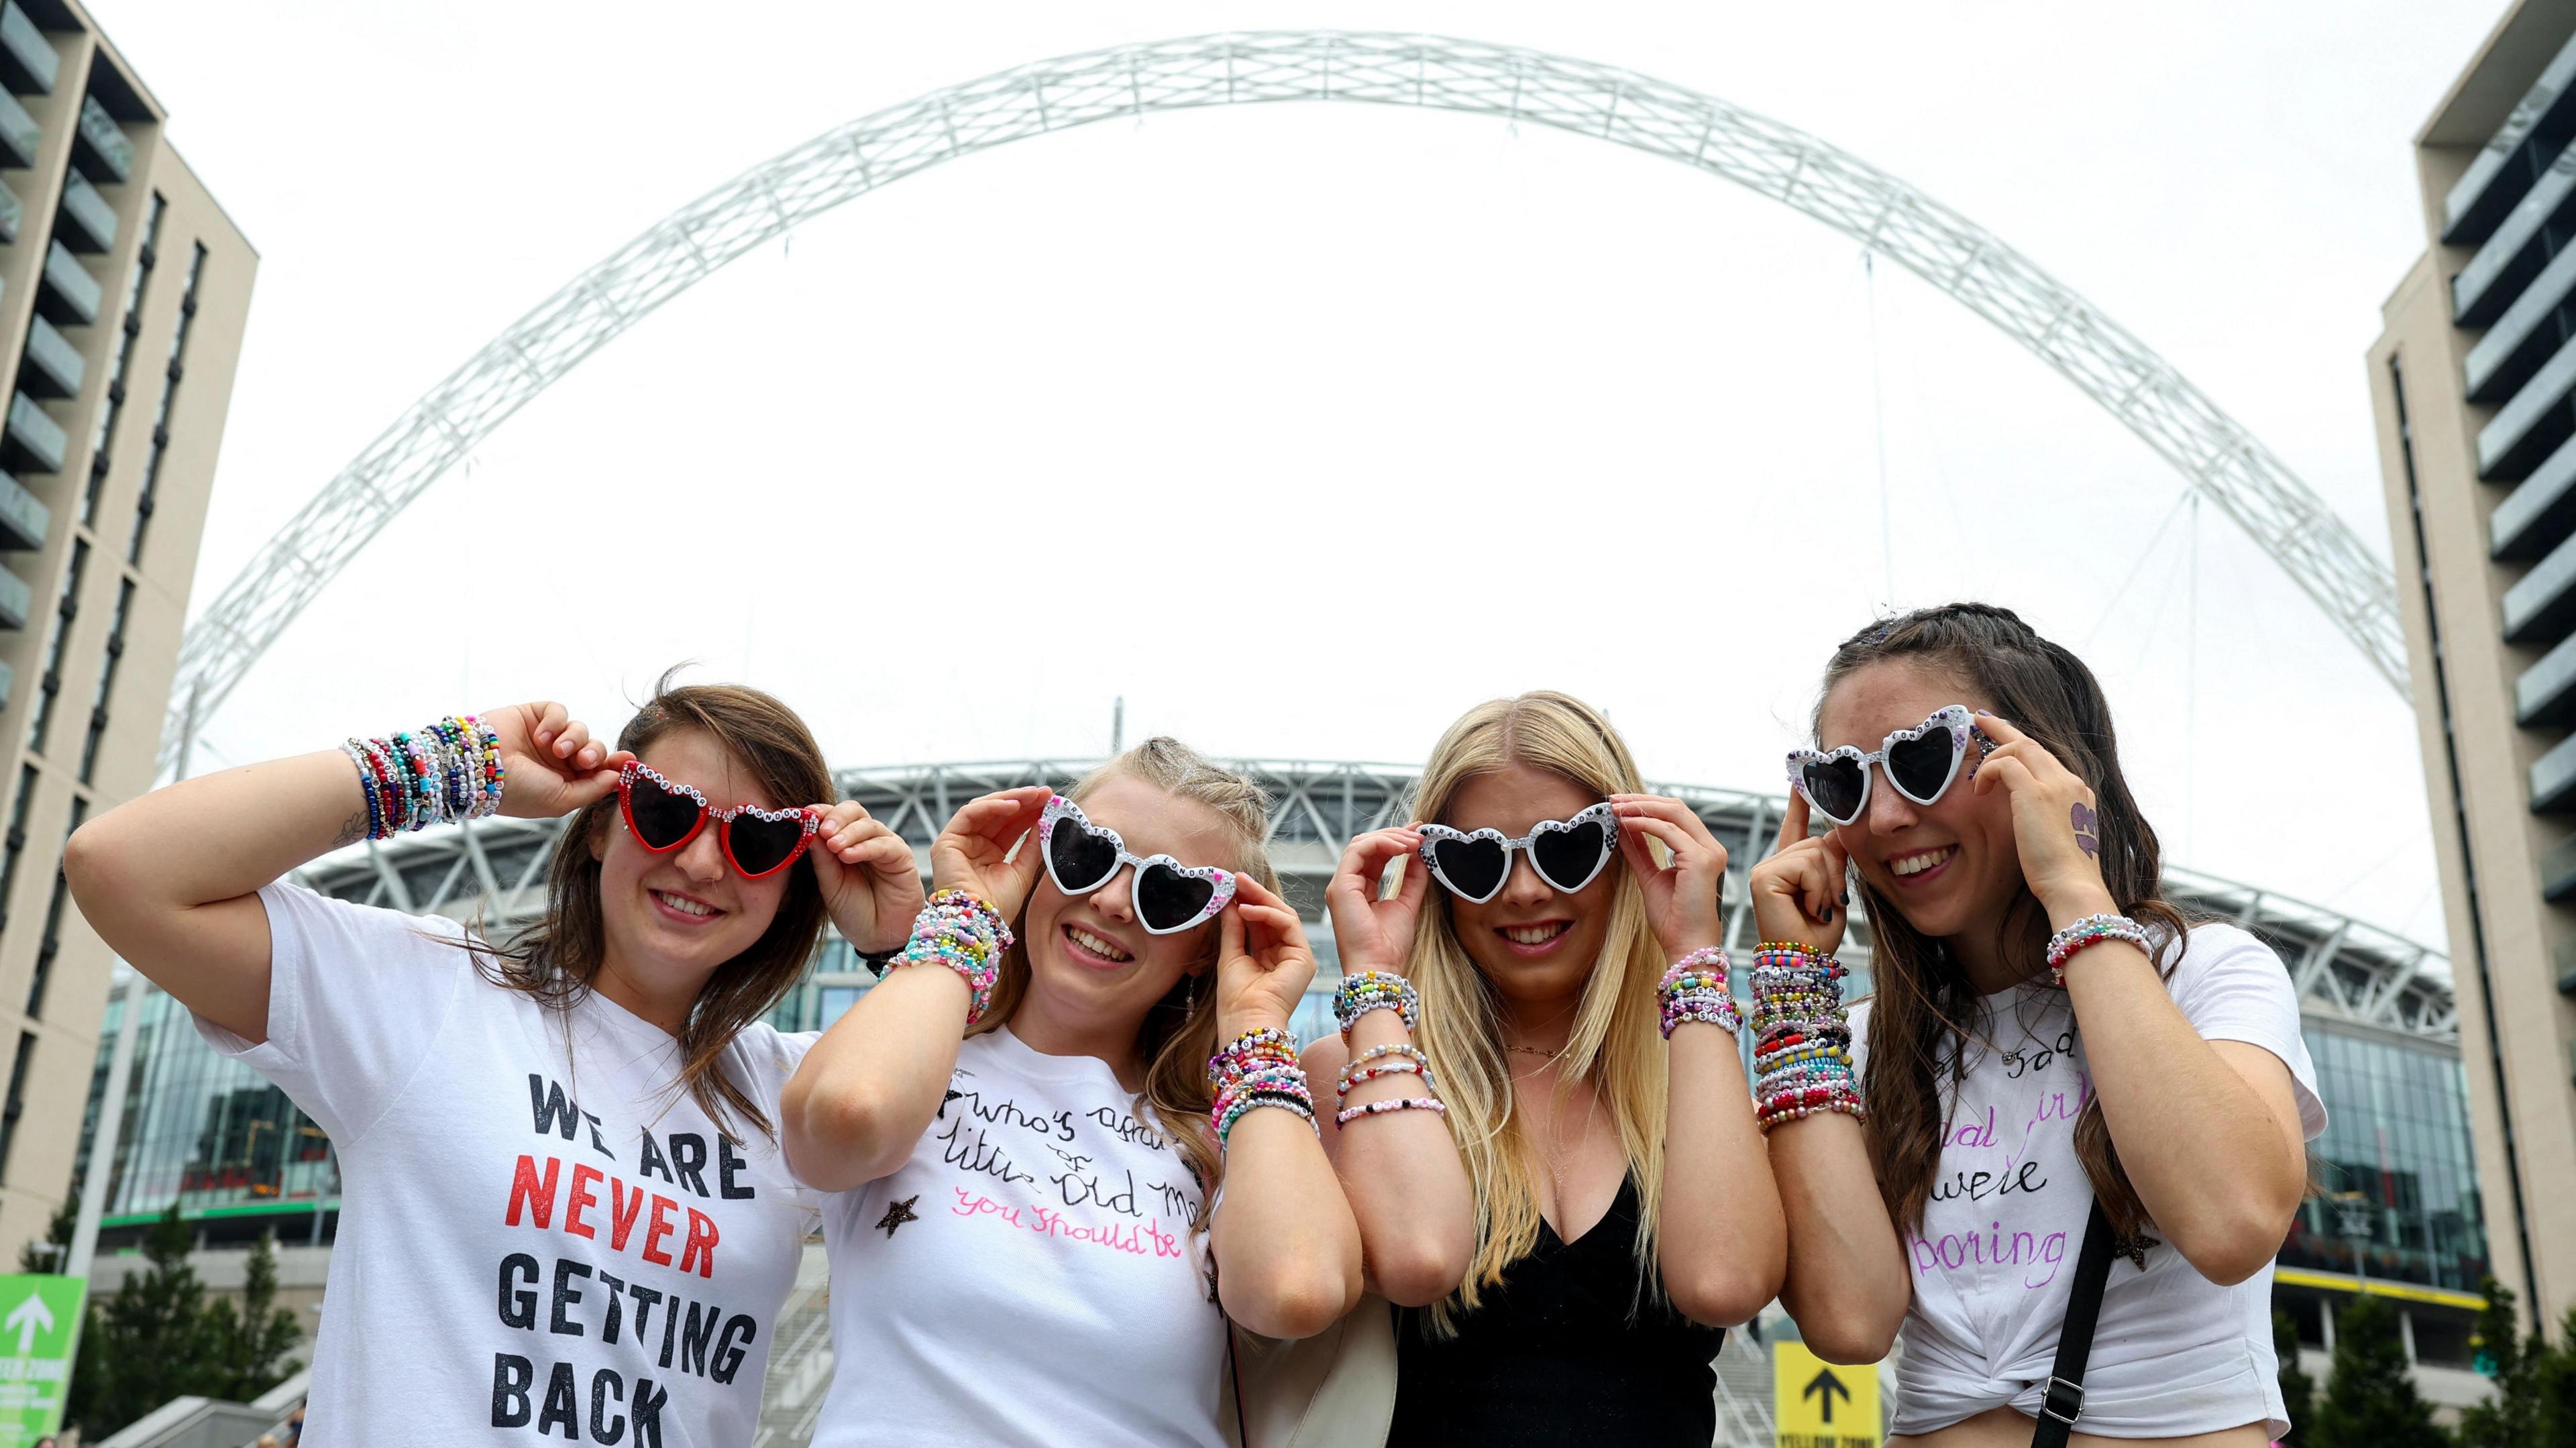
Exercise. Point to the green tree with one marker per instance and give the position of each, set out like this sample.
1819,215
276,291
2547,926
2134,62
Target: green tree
147,1344
2511,1418
2370,1399
2298,1390
2554,1387
250,1341
49,1252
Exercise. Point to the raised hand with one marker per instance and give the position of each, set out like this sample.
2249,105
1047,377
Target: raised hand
1376,934
974,853
871,884
1262,961
2055,826
1798,891
1681,898
551,766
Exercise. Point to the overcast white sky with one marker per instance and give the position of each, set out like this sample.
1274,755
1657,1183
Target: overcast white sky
1305,428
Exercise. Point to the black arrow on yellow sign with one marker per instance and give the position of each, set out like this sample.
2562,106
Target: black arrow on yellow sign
1824,1385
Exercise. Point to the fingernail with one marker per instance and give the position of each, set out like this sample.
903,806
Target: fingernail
1827,916
1982,714
1845,896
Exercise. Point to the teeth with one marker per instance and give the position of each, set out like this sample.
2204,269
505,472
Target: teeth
1916,864
683,904
1532,934
1094,943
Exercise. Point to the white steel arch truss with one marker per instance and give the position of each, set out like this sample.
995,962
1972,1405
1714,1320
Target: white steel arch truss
2219,457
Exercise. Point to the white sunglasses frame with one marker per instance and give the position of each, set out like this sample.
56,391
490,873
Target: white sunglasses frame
1602,812
1060,808
1957,718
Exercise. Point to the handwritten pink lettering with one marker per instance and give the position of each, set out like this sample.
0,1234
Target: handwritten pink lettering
1995,1247
1137,1239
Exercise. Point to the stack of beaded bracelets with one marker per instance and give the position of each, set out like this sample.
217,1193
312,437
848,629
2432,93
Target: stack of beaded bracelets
1376,990
1695,990
2092,930
1256,1069
1379,1061
961,932
447,772
1802,1046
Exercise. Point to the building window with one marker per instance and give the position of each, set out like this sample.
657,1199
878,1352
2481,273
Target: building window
52,944
52,683
132,324
17,1099
169,392
17,840
107,662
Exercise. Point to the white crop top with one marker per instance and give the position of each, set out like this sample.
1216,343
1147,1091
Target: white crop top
1994,1258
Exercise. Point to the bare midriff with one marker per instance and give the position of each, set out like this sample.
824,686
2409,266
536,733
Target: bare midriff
2006,1428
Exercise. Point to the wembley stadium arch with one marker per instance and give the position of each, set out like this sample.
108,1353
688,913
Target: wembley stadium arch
2218,457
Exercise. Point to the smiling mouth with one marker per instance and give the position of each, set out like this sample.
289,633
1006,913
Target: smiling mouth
1092,945
683,905
1905,866
1541,933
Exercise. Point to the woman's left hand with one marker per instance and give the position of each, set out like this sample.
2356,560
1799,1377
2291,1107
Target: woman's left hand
1682,898
871,883
2055,827
1262,962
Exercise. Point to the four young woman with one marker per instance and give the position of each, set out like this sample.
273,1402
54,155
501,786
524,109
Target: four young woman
1073,1173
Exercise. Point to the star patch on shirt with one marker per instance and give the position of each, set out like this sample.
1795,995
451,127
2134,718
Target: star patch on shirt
898,1213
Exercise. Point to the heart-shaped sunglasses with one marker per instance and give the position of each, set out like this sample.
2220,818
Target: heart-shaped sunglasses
664,816
1922,762
1169,896
1567,854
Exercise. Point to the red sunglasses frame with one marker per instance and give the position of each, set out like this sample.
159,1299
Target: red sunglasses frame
723,818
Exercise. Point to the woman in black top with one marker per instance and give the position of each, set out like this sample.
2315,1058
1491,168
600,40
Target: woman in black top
1594,1203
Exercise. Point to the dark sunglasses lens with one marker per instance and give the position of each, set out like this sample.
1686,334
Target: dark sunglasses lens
1166,899
1921,767
1834,786
760,846
1473,868
662,819
1079,857
1567,858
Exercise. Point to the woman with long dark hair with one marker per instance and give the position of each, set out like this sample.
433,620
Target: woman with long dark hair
562,1206
2047,1033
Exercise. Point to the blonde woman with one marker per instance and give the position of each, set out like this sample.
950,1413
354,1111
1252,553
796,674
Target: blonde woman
1026,1203
1593,1205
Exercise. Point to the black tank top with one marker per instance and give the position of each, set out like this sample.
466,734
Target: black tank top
1567,1350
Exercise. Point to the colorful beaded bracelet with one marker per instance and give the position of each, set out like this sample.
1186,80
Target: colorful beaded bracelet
1376,990
961,932
450,771
1432,1104
1256,1069
2089,931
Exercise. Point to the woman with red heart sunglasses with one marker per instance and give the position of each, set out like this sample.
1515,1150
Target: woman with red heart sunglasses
556,1147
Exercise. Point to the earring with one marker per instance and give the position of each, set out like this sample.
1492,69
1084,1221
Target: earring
1190,1001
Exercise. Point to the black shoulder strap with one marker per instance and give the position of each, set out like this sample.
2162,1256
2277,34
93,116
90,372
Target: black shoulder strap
2063,1402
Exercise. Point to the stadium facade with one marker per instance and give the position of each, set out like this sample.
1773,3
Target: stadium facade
2400,1215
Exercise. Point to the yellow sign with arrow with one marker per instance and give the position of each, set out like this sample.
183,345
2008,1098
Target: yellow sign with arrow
1817,1404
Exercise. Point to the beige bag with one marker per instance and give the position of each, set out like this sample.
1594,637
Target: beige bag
1333,1390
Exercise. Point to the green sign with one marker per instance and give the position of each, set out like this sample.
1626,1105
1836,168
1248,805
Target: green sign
40,1319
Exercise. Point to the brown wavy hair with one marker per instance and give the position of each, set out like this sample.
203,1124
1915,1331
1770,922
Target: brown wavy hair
1179,1031
1920,1020
556,961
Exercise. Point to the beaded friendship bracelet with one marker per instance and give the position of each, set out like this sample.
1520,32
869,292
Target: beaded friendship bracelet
2092,930
1376,990
1432,1104
449,771
1802,1044
961,932
1256,1069
1695,989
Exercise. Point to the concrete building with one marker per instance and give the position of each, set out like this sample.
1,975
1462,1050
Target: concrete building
2400,1215
123,292
2474,385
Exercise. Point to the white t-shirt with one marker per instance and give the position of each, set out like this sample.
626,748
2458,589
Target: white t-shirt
1028,1277
535,1245
1994,1260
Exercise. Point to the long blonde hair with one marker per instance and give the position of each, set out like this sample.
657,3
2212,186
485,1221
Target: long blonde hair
1179,1033
1614,1043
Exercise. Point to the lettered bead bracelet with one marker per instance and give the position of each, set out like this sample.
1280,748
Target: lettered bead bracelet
1376,990
961,932
1695,989
1256,1069
2092,930
449,771
1802,1045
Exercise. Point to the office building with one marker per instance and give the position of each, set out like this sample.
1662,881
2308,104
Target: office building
123,292
2473,382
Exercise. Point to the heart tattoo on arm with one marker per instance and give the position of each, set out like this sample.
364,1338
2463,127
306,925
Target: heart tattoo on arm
2087,824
